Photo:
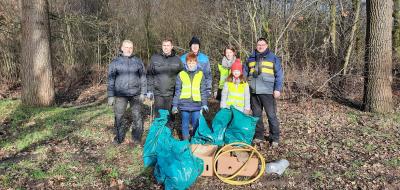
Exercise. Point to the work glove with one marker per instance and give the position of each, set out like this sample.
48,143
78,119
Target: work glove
174,110
150,95
205,108
141,97
111,100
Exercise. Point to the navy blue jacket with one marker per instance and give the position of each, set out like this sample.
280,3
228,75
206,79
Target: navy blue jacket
126,77
189,104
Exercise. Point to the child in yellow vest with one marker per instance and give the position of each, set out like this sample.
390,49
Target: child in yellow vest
190,95
236,90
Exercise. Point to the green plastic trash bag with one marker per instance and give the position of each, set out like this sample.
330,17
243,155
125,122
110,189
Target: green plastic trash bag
203,134
157,130
176,167
241,128
219,125
214,135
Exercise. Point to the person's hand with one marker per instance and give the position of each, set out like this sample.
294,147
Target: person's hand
141,97
111,100
247,111
205,108
277,94
150,95
174,110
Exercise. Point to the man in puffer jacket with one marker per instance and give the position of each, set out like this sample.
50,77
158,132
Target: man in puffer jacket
161,75
265,76
127,84
203,62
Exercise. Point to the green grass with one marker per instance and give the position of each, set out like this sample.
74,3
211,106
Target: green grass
31,130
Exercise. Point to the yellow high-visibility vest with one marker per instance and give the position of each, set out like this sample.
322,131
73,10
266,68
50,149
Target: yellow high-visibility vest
266,67
191,89
223,74
236,94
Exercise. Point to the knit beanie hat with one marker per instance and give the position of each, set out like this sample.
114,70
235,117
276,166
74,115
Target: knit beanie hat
194,40
237,66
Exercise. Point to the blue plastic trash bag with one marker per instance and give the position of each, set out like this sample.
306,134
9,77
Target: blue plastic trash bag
203,134
214,135
176,167
241,128
219,125
157,130
174,164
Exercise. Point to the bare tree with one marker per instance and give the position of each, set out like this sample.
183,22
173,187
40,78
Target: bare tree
378,69
36,72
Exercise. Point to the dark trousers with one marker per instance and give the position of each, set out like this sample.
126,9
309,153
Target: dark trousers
162,102
219,94
268,103
137,123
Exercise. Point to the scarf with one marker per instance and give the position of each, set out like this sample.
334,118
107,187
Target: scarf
228,63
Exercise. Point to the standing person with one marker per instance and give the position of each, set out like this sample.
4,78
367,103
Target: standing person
224,68
162,72
265,77
236,90
127,84
202,60
190,95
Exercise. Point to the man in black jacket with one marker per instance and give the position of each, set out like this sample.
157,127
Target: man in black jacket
162,72
127,83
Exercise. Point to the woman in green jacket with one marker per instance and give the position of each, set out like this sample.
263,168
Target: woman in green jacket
224,68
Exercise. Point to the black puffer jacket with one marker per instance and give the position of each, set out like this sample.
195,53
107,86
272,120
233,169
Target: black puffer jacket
126,77
162,73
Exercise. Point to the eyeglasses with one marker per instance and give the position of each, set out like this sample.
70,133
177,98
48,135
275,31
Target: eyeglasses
261,44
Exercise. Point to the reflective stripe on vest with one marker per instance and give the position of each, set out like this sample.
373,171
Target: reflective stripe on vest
223,74
266,67
191,89
236,94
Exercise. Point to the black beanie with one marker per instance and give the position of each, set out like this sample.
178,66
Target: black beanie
194,40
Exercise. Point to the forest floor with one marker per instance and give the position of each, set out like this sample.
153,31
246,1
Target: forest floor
329,146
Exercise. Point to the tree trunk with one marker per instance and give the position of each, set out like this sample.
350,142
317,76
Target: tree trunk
332,29
378,57
396,28
36,72
356,5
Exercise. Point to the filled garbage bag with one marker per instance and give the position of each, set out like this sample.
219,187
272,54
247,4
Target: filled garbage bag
219,125
241,128
157,130
215,135
174,164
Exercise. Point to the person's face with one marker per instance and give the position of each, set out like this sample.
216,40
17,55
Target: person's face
191,65
127,49
236,73
262,46
167,47
229,54
195,48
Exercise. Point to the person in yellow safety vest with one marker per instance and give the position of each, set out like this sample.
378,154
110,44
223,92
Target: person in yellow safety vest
236,91
190,95
224,69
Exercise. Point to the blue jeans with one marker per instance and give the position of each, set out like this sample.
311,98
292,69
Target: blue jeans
193,118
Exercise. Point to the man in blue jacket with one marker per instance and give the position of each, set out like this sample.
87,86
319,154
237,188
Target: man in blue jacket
127,84
265,78
203,62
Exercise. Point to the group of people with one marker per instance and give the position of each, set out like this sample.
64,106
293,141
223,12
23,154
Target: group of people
184,84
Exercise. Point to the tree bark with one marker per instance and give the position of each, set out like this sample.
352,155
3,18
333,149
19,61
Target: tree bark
378,58
332,29
36,72
396,28
356,5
